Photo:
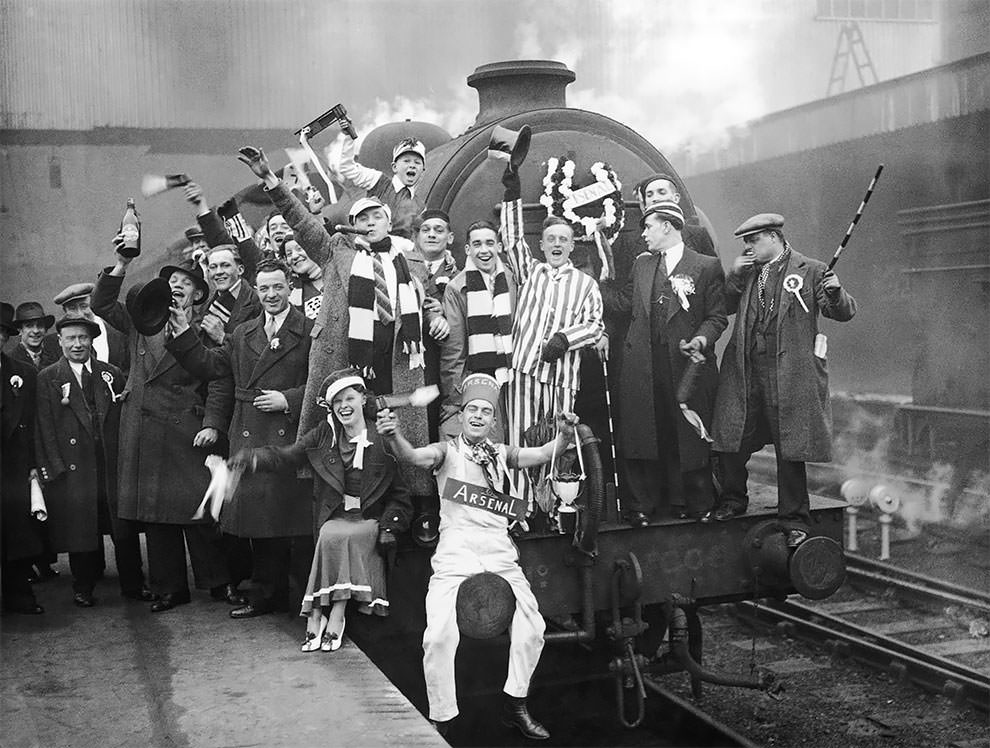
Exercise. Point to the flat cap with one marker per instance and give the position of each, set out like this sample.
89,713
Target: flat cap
194,232
73,292
760,222
91,327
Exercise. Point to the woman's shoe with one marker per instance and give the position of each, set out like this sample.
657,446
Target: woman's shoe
331,640
314,639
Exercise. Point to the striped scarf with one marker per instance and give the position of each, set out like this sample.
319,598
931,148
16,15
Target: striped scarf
361,307
489,322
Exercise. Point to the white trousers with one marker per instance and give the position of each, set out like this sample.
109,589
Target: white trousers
460,554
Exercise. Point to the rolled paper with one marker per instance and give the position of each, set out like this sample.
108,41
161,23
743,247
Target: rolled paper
418,398
155,184
39,510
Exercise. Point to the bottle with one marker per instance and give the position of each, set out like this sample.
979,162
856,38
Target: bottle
130,229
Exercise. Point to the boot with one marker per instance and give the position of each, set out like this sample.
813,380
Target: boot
515,714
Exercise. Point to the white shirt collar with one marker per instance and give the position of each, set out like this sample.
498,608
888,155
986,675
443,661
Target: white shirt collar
279,318
78,368
397,185
672,256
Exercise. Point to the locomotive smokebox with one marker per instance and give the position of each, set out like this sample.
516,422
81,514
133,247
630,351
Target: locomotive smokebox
462,180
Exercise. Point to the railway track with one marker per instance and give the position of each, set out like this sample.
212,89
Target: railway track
916,628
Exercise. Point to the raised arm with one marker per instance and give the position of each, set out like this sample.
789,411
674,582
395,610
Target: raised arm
527,457
355,173
200,361
105,300
429,457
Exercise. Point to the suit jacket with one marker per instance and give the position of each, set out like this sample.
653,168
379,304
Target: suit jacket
384,495
161,476
66,438
17,458
705,316
51,352
265,505
329,350
805,411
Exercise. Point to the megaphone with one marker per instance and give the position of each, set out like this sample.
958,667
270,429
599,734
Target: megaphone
882,498
510,145
337,114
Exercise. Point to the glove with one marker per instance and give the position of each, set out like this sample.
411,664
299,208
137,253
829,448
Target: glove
555,347
510,180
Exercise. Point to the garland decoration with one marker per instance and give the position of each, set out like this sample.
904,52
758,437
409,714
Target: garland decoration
578,206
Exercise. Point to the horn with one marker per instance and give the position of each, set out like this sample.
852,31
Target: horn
510,145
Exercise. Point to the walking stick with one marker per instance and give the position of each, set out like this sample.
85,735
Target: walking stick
611,437
855,220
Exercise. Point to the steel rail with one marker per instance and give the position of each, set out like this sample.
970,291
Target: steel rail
920,587
931,672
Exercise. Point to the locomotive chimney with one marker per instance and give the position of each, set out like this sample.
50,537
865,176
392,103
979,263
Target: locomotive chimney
515,86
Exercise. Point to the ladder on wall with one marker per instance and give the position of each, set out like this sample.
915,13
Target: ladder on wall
850,46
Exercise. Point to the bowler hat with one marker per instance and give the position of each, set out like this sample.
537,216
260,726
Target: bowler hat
30,311
73,292
147,304
189,268
760,222
94,329
7,318
510,145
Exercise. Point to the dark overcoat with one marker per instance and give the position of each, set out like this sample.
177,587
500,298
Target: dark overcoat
67,454
805,412
705,316
51,352
265,505
17,458
329,351
384,495
161,475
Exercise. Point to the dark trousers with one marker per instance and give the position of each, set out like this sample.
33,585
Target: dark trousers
126,536
86,568
239,555
761,428
17,591
661,482
167,557
280,565
383,344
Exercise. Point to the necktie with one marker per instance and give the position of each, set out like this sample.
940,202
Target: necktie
382,300
271,327
87,388
761,285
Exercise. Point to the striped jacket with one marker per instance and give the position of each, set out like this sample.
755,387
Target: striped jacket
550,300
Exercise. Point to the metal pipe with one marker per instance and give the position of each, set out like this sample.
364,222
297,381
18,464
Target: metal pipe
679,648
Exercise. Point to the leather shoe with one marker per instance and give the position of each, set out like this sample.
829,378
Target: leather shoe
143,595
83,599
252,610
230,593
727,512
24,608
637,519
441,727
169,600
515,714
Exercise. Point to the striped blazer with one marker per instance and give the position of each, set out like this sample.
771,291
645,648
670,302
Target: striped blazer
550,300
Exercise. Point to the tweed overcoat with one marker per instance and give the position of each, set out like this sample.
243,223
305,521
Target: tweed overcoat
17,458
161,475
67,455
329,349
265,505
706,316
805,412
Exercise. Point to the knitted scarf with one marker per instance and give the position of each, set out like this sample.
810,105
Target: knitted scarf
489,322
361,308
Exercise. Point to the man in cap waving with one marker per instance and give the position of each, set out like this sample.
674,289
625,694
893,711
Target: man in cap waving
773,387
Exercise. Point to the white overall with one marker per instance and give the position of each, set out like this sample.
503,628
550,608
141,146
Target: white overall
473,540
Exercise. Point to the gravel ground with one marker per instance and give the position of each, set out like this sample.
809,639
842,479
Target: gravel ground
825,703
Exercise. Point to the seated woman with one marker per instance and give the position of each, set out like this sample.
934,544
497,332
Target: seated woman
361,503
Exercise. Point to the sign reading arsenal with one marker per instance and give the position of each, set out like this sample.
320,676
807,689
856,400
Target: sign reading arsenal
482,497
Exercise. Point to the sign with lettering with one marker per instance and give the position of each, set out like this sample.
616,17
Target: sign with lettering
483,497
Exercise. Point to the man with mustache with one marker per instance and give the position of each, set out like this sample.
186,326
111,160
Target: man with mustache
161,477
398,192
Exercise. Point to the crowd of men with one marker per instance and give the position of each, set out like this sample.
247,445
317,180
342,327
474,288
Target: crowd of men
108,415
